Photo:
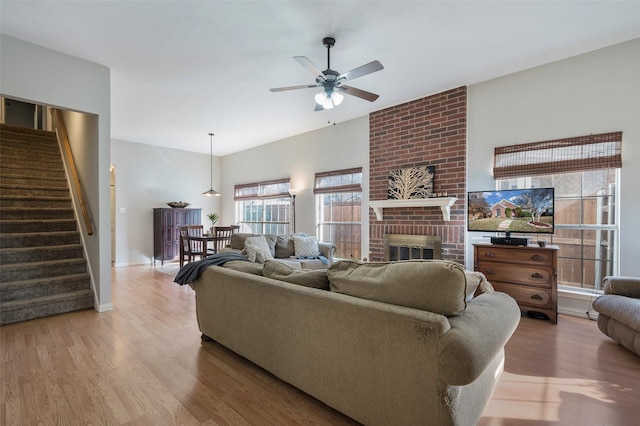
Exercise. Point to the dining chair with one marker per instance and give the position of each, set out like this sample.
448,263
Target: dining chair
222,236
189,248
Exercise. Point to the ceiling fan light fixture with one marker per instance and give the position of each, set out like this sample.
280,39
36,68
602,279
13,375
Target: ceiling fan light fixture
331,80
325,100
336,98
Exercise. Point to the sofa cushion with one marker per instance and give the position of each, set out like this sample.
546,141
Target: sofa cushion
622,286
316,278
238,239
284,246
244,266
432,285
625,310
305,246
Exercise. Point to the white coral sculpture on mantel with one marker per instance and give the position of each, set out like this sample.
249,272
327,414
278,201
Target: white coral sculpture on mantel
413,182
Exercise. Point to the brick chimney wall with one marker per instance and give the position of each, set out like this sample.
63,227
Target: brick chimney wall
428,131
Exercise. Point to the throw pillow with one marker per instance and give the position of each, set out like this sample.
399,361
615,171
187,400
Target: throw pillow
315,278
259,241
437,286
475,280
257,249
238,241
305,246
255,254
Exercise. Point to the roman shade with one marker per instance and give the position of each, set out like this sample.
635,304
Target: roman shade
261,190
601,151
346,180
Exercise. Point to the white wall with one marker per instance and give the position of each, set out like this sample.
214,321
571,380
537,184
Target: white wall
35,74
148,177
597,92
336,147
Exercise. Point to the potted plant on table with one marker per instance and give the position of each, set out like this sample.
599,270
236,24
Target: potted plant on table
213,217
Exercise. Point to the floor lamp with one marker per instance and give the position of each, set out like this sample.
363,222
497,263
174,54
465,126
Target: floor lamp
293,192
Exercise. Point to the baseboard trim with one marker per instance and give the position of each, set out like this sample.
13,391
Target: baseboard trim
106,307
591,314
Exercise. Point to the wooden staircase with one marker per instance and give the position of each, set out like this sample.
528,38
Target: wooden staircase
43,271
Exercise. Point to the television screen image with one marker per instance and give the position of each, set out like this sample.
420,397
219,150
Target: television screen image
511,211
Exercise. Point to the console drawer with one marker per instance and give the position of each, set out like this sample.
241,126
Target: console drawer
526,296
512,273
517,255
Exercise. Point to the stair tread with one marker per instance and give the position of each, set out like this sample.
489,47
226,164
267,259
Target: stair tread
45,248
31,197
13,208
49,234
41,263
43,281
43,300
5,221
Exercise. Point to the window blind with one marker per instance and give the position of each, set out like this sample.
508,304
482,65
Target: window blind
346,180
567,155
262,190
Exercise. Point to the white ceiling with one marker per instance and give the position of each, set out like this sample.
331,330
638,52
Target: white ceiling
183,69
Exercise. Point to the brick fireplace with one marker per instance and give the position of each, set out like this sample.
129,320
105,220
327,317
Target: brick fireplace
428,131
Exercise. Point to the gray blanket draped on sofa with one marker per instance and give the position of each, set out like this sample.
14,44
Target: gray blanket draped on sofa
191,271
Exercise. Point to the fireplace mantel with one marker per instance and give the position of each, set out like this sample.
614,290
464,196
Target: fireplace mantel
444,203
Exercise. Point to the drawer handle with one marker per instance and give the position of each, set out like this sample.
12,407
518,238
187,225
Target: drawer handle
536,257
489,272
536,275
489,254
536,297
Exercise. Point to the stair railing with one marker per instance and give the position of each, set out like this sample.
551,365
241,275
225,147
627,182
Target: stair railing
66,147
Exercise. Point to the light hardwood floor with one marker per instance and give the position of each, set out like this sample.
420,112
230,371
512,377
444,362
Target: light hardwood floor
144,364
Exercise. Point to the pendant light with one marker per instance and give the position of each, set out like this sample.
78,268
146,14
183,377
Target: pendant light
211,192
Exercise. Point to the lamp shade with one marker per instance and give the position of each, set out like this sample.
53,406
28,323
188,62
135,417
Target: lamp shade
211,193
336,98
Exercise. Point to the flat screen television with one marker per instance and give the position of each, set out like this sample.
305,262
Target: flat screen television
521,211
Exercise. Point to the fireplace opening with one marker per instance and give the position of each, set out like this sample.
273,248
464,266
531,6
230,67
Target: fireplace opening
412,247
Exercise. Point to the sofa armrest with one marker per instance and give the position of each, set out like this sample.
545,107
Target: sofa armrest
622,286
328,250
477,337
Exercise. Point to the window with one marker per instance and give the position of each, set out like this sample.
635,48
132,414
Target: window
339,210
585,174
263,207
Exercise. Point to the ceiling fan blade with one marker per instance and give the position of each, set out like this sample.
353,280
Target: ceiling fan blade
361,70
302,86
318,107
310,66
368,96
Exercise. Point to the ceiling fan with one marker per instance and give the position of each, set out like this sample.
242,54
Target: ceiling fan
331,80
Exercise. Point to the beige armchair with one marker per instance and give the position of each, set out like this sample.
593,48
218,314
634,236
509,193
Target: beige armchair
619,311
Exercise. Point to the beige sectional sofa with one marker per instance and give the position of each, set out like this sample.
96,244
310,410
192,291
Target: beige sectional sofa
400,343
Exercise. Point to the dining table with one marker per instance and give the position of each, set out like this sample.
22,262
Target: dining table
205,239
